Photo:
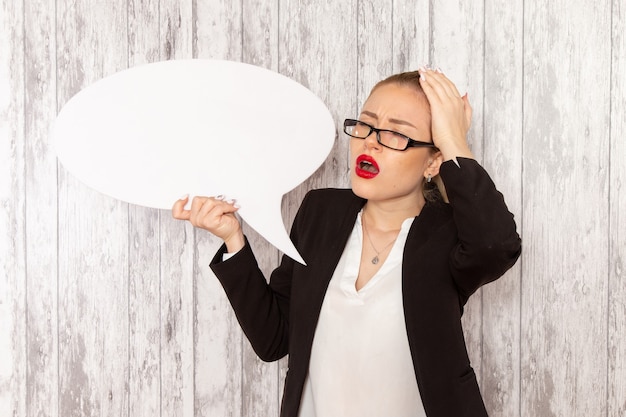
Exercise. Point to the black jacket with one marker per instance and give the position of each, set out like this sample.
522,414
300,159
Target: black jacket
451,250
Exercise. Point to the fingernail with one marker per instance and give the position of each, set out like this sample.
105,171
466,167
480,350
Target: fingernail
422,76
439,70
231,201
186,196
236,206
219,197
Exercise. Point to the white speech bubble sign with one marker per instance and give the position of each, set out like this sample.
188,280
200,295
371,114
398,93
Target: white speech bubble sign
151,133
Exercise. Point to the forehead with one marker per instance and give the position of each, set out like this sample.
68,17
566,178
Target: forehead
398,101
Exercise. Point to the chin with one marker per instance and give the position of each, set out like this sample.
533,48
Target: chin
371,191
362,187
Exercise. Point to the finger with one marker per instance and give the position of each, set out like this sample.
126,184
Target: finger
178,209
431,93
222,208
196,204
444,85
441,85
447,84
450,86
468,109
207,214
435,89
199,205
433,96
216,203
210,214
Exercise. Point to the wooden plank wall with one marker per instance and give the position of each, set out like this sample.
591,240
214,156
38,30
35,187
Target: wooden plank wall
110,309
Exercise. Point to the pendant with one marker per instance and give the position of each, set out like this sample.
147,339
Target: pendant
375,260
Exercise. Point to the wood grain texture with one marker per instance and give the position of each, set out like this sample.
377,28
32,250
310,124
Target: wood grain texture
457,42
177,35
93,233
144,313
177,318
14,385
502,157
373,54
41,209
565,206
411,30
616,377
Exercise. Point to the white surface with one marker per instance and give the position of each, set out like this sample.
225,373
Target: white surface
153,133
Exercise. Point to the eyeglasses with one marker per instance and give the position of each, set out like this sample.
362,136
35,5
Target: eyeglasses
387,138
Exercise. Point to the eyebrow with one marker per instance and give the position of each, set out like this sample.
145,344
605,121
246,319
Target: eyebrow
394,121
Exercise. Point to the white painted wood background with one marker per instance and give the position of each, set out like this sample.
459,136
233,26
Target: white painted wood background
108,309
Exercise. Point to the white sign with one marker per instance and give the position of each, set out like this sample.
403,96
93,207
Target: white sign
153,133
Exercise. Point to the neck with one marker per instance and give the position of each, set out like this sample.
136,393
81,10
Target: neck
389,215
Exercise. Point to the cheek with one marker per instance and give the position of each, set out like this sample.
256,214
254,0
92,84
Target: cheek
410,171
356,148
400,175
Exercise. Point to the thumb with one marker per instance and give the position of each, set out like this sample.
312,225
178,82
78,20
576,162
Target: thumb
468,109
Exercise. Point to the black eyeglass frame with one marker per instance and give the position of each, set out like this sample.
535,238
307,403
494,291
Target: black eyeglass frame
411,143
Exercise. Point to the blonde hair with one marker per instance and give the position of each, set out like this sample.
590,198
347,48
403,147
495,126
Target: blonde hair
435,190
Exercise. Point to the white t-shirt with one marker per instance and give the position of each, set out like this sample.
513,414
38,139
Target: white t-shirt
360,360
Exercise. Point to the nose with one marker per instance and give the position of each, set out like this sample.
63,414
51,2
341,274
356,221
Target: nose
371,141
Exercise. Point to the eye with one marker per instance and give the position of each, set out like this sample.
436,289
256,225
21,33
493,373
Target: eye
361,130
394,140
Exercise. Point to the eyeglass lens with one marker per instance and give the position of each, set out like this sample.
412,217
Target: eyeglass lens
387,138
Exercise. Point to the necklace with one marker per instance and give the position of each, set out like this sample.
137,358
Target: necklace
375,259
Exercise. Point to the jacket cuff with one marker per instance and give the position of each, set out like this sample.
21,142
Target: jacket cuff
222,255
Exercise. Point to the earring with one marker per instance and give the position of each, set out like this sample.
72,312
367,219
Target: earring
430,177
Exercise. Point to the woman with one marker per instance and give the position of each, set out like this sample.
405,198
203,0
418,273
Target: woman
372,324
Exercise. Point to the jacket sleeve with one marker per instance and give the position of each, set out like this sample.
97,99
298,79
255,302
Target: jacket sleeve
488,241
262,308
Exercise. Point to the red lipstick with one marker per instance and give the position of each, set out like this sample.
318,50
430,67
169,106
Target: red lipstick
366,167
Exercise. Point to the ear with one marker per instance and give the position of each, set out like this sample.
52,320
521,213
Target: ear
434,163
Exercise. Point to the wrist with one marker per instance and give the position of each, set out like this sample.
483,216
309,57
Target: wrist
235,242
452,149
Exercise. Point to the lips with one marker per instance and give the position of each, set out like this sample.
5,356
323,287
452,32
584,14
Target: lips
366,167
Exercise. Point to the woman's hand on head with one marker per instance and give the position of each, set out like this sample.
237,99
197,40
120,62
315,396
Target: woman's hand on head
215,215
451,114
